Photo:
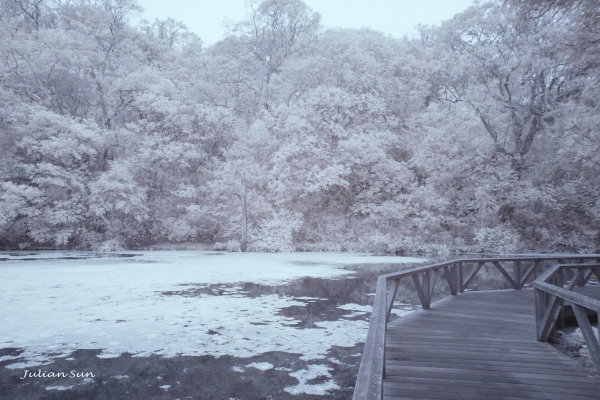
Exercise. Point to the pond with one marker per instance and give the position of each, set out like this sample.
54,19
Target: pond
187,324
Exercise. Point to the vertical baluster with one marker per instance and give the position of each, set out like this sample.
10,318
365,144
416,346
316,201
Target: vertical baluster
517,273
540,310
427,288
451,278
459,277
560,281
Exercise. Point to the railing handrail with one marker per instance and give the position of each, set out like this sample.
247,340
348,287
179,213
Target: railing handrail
408,272
570,296
550,296
369,383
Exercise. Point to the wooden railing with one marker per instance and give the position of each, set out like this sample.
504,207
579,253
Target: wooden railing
369,383
551,295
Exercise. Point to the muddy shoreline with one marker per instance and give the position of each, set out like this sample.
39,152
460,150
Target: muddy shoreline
182,377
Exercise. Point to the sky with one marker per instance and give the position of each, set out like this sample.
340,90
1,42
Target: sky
395,17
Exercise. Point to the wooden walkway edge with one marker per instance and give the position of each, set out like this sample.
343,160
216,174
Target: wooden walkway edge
479,345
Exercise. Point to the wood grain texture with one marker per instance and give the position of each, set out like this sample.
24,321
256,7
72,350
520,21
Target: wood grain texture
371,370
479,345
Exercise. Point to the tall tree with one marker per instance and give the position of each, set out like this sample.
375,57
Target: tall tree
274,31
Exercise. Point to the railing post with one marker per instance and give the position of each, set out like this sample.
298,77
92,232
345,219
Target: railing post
451,277
540,310
517,273
454,275
459,277
560,282
427,289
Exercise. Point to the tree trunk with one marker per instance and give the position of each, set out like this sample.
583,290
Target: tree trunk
244,241
265,88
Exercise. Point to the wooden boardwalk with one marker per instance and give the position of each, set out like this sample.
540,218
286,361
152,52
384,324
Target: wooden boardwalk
479,345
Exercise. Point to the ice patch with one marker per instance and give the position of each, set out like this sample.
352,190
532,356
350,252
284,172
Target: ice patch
120,305
354,314
237,369
165,387
356,307
59,387
106,354
34,362
263,366
312,372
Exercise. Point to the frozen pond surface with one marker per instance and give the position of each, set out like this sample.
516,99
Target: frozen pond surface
191,303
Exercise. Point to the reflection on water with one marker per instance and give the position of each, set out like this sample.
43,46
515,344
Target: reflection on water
326,299
322,298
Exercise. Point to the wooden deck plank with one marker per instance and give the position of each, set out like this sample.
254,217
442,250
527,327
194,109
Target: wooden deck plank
541,380
481,393
459,387
491,366
479,360
491,351
474,371
479,345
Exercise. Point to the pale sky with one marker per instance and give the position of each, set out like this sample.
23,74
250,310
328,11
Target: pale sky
395,17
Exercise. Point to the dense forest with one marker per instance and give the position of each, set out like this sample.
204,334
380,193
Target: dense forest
481,134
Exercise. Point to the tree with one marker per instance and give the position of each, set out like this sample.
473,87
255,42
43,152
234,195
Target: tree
57,158
274,31
30,11
482,135
582,16
517,76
